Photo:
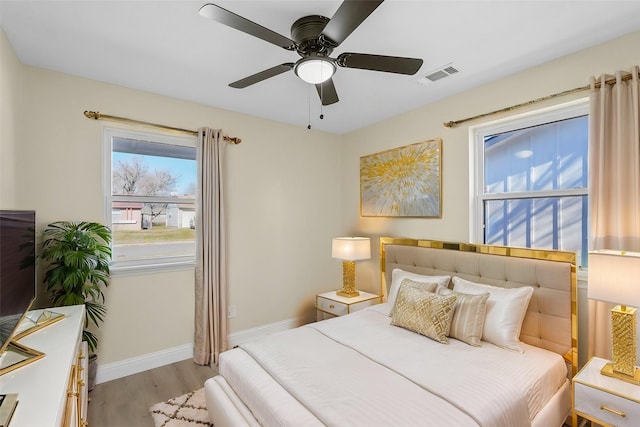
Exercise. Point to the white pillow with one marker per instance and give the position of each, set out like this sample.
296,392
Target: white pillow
397,275
506,308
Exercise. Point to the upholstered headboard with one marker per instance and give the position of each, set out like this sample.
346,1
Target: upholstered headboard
551,319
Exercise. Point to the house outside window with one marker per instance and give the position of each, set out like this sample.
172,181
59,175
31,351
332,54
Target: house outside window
531,182
150,192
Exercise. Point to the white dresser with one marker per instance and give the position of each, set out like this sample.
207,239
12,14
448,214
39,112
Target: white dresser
51,391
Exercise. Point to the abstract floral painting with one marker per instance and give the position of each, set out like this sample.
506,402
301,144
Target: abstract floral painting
403,182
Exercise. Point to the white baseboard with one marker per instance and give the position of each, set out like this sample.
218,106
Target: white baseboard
123,368
246,335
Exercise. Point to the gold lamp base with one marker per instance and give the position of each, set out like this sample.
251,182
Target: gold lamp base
348,280
623,330
610,372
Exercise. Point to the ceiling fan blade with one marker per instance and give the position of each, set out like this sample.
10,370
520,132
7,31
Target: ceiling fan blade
349,15
262,75
388,64
327,92
232,20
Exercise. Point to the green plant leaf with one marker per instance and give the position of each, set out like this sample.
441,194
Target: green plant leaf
78,257
91,339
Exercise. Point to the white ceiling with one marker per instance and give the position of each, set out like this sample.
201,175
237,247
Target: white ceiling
166,47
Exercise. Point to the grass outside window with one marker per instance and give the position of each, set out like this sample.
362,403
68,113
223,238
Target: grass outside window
156,234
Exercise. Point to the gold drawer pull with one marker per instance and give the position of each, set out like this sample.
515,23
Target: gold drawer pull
332,306
613,411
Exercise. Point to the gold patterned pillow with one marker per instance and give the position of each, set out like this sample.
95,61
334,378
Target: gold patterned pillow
424,312
425,286
468,318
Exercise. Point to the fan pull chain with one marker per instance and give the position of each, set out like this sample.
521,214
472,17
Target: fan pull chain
309,108
321,100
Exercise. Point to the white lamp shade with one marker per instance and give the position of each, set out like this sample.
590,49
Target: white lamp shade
351,248
314,71
614,276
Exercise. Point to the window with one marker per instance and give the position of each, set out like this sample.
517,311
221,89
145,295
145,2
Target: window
151,198
532,180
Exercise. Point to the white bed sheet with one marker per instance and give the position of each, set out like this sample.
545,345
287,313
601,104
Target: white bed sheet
360,370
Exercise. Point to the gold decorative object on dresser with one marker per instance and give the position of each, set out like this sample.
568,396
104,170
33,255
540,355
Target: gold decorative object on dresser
331,304
604,400
52,391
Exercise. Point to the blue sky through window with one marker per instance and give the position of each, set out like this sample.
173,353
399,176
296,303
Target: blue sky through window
183,169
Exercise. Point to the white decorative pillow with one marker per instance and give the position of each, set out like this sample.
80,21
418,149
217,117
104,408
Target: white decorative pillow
397,275
469,315
506,308
423,312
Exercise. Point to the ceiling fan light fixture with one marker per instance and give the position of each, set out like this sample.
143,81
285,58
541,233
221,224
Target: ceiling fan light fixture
315,69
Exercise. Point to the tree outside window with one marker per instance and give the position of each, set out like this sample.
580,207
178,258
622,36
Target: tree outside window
152,185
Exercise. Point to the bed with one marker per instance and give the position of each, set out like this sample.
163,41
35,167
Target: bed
376,367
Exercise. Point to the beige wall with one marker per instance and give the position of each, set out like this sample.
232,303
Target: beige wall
426,123
289,190
283,203
10,90
564,73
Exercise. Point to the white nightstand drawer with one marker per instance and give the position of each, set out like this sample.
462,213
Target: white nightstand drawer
333,307
330,304
606,407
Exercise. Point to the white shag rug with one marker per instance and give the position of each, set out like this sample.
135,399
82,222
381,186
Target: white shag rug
188,410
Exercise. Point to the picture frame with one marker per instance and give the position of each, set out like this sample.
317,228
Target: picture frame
403,182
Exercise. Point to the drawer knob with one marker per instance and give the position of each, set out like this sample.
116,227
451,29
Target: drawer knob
613,411
332,306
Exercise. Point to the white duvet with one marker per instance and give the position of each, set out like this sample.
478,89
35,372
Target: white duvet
358,370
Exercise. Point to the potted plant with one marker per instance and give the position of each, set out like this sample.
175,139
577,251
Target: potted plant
79,255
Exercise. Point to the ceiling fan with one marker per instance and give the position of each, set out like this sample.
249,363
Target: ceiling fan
314,38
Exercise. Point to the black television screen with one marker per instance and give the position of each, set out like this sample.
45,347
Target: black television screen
17,269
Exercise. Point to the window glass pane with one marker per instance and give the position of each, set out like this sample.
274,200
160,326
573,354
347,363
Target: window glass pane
152,169
545,223
153,188
552,156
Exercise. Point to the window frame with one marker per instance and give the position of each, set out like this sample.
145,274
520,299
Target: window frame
477,134
141,266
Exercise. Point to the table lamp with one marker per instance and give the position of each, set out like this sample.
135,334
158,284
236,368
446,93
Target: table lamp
614,276
350,250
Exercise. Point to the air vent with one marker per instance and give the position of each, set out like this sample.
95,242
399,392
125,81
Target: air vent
450,70
438,74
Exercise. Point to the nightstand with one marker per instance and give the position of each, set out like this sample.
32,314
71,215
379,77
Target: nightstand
604,400
330,305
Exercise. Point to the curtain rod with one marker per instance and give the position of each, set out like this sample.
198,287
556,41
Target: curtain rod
99,116
454,123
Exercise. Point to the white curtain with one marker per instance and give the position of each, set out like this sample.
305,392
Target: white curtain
614,168
210,278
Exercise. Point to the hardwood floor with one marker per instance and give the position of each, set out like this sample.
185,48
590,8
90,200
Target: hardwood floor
125,402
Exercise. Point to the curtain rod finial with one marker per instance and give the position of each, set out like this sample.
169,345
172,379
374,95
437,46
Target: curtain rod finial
449,124
232,139
92,115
